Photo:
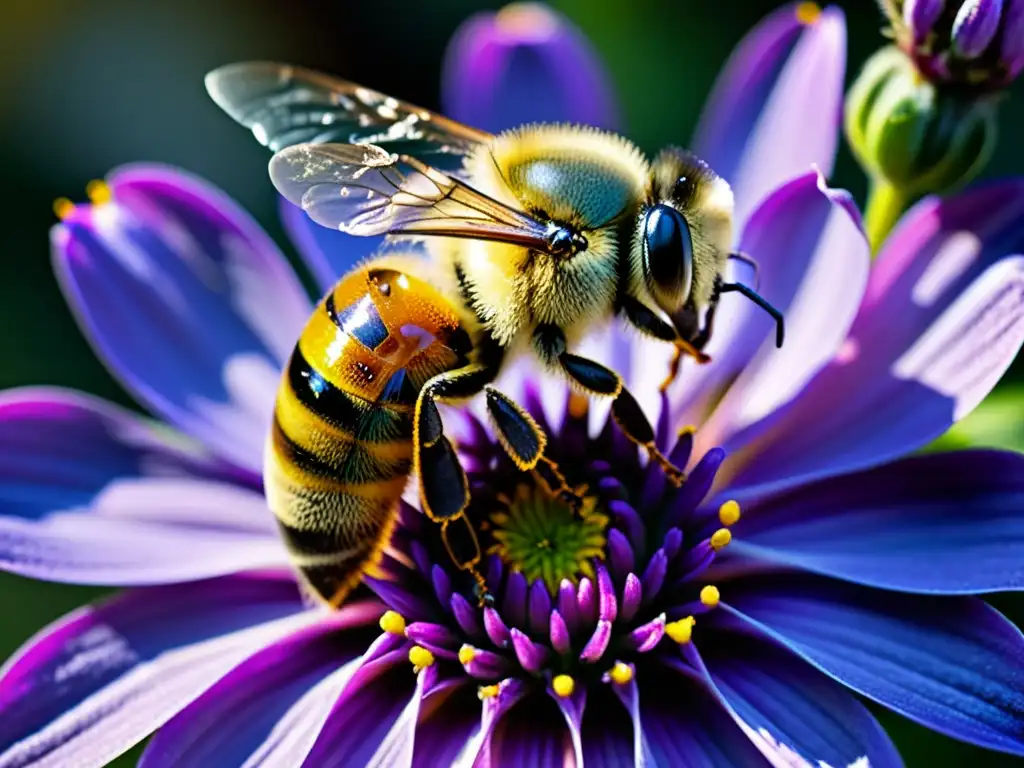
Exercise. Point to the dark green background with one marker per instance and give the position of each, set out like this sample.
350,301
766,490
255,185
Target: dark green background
85,86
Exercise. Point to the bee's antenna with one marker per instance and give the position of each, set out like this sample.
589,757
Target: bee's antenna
751,262
750,293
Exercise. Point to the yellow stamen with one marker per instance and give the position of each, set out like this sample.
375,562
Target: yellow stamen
620,673
563,685
686,431
710,596
466,654
63,208
680,631
420,657
808,13
98,192
487,692
729,513
720,538
393,623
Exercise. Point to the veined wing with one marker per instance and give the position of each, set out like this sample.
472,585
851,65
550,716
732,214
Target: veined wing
285,105
366,190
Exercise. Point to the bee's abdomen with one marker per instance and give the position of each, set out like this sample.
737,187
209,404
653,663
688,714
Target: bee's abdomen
336,467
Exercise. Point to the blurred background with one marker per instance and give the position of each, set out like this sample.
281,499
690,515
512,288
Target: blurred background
85,87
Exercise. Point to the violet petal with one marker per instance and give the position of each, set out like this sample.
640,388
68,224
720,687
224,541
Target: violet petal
598,643
632,596
467,617
559,635
607,603
496,629
513,606
586,602
539,608
531,655
975,26
567,606
620,554
187,300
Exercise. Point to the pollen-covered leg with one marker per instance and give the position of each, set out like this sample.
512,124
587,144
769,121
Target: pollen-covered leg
524,442
599,380
444,489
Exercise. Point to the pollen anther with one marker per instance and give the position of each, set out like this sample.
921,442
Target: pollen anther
63,208
808,13
729,513
486,692
720,539
620,673
680,631
710,596
98,192
563,685
393,623
420,657
466,654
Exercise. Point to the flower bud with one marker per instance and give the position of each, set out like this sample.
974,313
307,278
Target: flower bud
975,44
910,134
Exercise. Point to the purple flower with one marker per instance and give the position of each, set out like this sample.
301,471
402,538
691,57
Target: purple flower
720,623
976,44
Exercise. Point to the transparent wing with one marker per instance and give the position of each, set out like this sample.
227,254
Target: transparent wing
366,190
285,105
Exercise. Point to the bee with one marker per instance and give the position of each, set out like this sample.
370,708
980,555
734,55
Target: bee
533,235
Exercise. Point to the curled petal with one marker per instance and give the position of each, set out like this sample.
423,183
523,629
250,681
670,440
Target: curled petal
775,109
526,63
942,318
187,301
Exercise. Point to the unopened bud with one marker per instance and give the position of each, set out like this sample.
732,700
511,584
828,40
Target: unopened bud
912,135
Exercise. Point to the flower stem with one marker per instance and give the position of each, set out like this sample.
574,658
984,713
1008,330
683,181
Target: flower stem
886,204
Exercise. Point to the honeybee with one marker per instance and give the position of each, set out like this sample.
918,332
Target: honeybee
533,236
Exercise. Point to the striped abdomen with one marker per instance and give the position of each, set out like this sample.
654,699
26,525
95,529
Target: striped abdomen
340,448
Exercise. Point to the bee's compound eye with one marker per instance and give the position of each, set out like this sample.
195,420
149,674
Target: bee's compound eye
668,256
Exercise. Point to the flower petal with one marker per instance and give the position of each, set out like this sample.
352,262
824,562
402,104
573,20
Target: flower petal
447,727
814,263
93,494
684,725
99,681
941,320
775,110
607,734
526,63
328,253
534,733
948,523
793,707
294,682
187,301
375,699
952,664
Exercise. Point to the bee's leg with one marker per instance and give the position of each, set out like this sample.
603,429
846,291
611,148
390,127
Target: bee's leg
598,380
444,489
648,323
524,442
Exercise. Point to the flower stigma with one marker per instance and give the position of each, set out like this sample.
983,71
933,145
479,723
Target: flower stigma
544,539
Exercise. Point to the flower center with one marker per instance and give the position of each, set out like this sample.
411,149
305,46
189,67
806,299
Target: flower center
542,538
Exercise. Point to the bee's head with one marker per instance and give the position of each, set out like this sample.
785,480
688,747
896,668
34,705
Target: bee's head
684,234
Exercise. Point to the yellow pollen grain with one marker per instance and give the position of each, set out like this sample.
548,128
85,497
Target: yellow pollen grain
578,405
98,192
686,431
808,13
487,692
563,685
620,673
720,538
420,657
393,623
729,513
466,654
680,631
63,208
710,596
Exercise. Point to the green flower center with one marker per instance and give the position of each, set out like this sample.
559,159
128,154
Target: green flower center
543,538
